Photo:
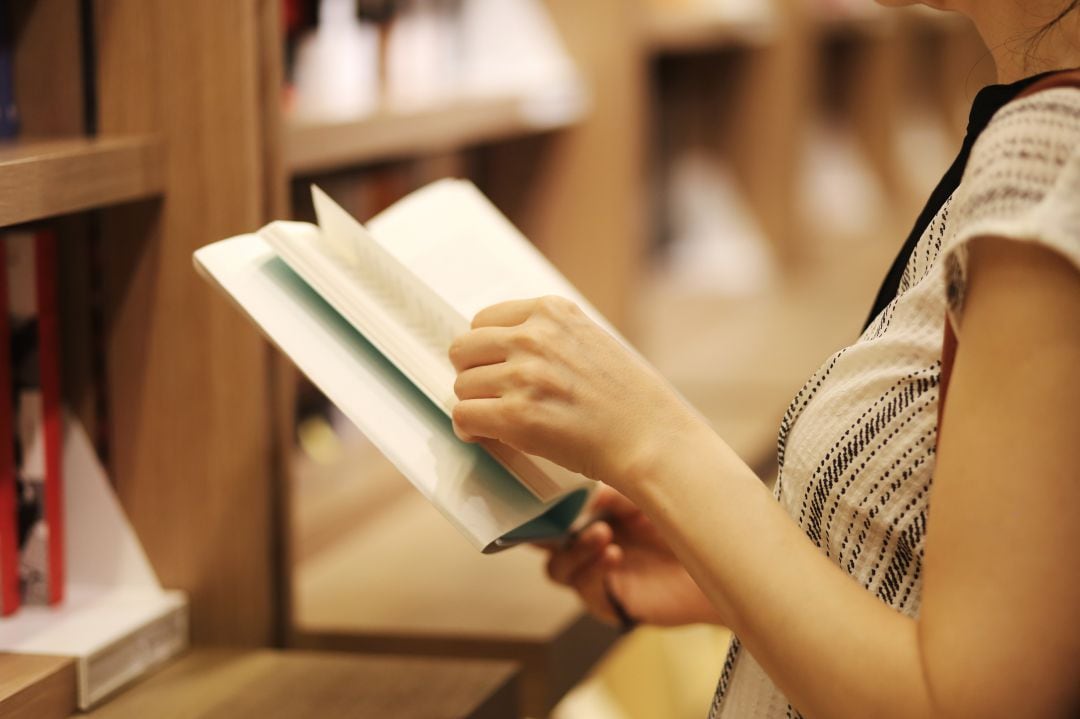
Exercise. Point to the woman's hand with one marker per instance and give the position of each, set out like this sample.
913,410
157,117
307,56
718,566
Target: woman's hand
543,378
623,557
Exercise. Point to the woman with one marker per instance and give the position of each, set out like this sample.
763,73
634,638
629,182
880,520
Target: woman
848,596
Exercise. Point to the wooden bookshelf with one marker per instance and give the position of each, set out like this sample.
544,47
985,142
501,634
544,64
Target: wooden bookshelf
296,685
36,687
49,177
321,147
694,29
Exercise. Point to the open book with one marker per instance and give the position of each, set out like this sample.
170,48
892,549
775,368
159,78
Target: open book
368,314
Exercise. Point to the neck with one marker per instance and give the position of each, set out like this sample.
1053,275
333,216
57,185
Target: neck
1010,29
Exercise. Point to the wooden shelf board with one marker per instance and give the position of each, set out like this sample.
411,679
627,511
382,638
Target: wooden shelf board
924,18
879,23
260,683
869,23
321,147
701,29
882,23
49,177
36,687
450,601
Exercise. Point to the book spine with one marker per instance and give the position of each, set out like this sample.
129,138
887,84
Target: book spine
9,111
9,543
51,419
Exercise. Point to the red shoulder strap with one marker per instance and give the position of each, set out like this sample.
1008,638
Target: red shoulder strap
1065,78
948,357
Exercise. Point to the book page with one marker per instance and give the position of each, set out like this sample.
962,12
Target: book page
405,320
459,244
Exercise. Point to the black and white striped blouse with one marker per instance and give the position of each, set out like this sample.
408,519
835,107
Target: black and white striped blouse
857,444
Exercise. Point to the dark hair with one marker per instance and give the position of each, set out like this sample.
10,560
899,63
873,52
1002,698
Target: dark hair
1045,29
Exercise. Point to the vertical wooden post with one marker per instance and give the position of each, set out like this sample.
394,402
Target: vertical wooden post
187,377
580,193
767,112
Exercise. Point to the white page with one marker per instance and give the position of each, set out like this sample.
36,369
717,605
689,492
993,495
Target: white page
470,489
377,296
459,244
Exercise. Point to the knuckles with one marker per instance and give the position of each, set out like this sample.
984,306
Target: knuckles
554,306
519,413
535,337
520,375
526,339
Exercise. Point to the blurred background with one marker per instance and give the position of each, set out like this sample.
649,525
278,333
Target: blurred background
727,180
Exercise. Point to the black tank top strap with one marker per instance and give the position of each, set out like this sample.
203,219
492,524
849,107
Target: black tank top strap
987,102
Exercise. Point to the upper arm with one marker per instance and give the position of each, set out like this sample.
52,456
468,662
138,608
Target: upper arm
1002,582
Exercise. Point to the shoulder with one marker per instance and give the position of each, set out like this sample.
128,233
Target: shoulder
1050,117
1023,151
1021,183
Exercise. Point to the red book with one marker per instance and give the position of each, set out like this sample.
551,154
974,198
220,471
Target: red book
34,328
9,543
51,417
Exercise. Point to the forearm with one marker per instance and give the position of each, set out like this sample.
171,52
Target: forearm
834,649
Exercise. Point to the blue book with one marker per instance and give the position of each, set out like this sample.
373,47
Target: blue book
9,111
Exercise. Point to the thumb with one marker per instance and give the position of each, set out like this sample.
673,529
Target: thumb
616,600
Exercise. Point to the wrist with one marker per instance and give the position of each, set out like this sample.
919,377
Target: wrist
654,454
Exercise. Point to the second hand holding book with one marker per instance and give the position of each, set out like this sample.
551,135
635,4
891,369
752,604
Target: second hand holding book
368,314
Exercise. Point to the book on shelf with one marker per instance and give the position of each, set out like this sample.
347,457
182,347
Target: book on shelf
34,350
9,543
9,110
368,314
115,621
349,59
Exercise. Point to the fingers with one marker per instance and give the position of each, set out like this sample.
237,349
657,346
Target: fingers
567,564
481,382
478,419
586,566
514,312
592,583
614,597
505,314
484,346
